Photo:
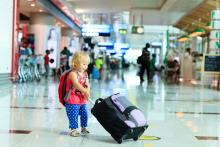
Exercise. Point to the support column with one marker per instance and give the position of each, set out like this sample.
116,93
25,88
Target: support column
8,35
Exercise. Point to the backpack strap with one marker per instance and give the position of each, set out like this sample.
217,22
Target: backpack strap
72,87
64,85
78,77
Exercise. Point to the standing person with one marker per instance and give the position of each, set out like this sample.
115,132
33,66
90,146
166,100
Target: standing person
76,104
63,62
46,63
152,66
144,62
66,53
177,70
107,61
187,65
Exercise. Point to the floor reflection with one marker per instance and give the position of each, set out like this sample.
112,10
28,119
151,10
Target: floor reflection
176,113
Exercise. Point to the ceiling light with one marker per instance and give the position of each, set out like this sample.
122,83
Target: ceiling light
79,10
40,10
197,32
183,38
32,4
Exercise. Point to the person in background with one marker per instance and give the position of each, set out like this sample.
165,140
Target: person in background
107,61
152,66
177,70
123,62
98,65
144,62
29,50
63,63
187,66
46,63
85,47
76,104
67,53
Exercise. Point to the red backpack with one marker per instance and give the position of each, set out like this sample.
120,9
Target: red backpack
63,94
62,86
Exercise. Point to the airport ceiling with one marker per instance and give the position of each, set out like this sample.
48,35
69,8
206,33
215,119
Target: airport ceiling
179,13
199,17
106,6
27,6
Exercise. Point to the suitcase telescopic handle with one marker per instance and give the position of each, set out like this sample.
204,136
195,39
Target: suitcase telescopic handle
98,100
91,101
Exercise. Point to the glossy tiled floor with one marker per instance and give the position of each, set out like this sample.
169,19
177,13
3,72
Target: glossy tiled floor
181,115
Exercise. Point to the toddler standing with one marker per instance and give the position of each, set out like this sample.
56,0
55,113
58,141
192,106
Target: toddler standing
76,104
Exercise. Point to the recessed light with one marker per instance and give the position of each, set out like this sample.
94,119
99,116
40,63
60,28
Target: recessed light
79,10
32,4
40,10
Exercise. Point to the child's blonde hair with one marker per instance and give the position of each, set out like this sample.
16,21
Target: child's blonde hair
78,57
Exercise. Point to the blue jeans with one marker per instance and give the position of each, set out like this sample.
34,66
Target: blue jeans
73,111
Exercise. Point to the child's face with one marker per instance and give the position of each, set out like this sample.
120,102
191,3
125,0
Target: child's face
83,65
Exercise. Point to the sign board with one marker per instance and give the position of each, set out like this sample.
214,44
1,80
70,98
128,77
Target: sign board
137,30
212,63
215,14
122,31
96,30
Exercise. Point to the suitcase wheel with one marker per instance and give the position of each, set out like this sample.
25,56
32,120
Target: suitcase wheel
119,141
135,138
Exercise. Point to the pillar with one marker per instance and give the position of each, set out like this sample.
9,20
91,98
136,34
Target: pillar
8,35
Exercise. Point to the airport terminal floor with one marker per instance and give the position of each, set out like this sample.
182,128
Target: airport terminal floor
178,115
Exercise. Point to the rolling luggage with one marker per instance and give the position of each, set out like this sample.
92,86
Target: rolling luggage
119,117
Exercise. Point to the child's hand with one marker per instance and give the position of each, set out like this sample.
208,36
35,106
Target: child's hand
86,93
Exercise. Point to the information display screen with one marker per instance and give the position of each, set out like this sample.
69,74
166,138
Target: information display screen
212,63
96,30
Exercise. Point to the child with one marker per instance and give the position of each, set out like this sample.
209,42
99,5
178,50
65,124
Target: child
76,103
46,63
